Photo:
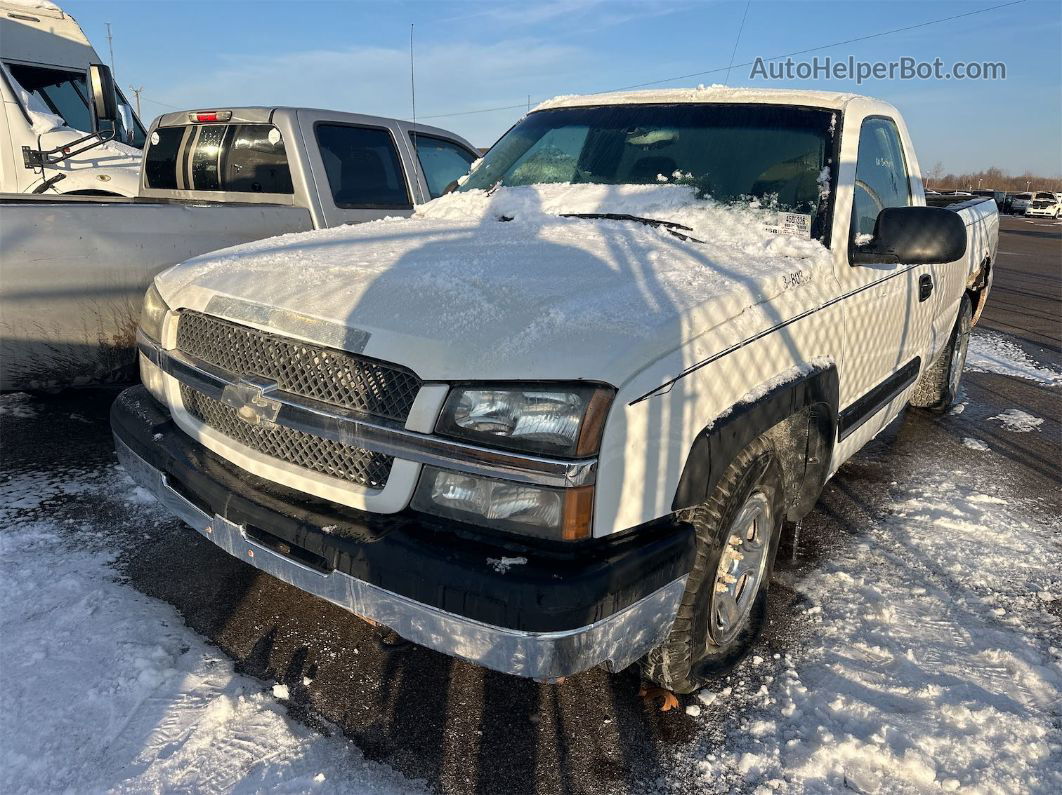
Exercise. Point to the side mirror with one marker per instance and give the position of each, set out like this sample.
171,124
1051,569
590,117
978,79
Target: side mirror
923,235
104,97
126,114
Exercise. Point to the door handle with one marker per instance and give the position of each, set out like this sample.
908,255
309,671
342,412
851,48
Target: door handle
925,287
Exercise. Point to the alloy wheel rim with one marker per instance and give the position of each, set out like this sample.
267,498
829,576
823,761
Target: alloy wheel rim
739,574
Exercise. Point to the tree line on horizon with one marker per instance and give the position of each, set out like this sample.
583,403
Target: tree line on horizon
989,179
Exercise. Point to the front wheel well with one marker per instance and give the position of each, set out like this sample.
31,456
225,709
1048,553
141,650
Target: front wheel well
804,444
799,418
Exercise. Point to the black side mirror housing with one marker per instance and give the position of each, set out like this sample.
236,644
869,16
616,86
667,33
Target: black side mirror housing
104,97
923,235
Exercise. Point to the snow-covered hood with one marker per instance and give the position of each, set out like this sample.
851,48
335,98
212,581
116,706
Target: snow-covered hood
454,292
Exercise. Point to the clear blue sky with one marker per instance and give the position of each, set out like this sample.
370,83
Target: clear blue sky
472,55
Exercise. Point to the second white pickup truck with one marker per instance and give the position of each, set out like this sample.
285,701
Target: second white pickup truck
560,418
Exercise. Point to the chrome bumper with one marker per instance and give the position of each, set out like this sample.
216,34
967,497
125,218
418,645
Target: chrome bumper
616,641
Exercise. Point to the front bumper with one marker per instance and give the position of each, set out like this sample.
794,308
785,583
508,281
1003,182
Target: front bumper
543,611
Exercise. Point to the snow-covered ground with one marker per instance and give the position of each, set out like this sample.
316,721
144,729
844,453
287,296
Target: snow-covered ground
993,353
931,660
104,689
935,662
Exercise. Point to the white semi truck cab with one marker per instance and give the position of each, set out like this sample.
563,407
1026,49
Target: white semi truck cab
46,88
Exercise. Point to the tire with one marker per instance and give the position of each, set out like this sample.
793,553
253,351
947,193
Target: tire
707,640
938,387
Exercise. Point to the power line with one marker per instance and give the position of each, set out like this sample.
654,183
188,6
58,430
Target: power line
737,40
717,69
714,70
161,104
826,46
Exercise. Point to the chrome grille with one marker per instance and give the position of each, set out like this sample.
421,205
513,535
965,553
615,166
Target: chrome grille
300,368
352,464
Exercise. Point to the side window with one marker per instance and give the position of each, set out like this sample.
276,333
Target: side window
442,162
363,167
881,177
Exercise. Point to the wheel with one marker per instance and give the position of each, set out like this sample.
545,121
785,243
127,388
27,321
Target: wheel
938,386
724,606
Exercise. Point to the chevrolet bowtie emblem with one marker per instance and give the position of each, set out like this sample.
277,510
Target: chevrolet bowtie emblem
250,401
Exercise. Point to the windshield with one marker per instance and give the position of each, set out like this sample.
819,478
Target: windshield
65,94
778,155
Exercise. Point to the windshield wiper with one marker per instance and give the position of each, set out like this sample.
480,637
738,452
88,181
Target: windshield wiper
670,226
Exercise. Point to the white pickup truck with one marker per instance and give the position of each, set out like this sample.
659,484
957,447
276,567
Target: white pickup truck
75,268
560,417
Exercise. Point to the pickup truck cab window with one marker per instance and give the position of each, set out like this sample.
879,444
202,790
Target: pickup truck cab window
441,161
240,158
363,167
776,155
881,176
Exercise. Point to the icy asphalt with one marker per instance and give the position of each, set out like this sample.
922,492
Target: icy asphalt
915,641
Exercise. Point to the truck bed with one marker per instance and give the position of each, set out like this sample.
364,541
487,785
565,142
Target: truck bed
75,268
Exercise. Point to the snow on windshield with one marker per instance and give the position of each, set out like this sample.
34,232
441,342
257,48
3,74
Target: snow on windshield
750,228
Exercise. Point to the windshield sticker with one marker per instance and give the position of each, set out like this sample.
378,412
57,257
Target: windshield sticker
790,224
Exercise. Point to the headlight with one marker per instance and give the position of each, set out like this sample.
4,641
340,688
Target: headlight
153,313
545,419
562,514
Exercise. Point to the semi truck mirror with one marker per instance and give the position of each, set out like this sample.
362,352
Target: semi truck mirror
104,97
126,114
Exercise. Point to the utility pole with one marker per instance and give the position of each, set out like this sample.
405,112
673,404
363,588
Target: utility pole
110,47
136,93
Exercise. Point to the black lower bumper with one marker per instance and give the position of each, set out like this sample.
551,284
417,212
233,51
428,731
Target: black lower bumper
436,563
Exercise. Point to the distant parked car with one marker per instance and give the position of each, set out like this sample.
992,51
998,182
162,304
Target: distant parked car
1045,204
997,196
1020,202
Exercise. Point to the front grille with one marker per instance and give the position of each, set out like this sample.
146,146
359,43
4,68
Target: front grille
305,450
312,371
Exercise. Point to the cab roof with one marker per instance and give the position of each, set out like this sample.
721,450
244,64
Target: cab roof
834,100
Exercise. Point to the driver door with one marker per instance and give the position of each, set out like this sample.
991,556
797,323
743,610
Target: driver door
887,311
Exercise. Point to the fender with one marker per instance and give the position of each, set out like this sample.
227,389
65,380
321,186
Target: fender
813,396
